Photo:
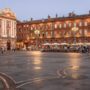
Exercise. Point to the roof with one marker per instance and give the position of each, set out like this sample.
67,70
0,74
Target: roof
56,19
7,13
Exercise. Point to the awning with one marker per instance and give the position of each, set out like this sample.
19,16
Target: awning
47,44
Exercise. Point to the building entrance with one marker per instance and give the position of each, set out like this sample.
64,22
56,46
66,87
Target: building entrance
8,45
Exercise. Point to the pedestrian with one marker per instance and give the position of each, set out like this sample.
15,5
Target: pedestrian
2,50
14,49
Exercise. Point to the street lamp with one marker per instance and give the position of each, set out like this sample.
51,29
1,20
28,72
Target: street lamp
37,32
74,30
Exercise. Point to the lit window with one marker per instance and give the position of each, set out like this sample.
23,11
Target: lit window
85,24
75,24
0,23
27,25
31,28
55,26
85,32
80,24
46,33
51,33
60,25
70,24
64,25
80,31
24,25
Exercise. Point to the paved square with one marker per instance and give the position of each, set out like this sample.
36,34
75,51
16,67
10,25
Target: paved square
47,71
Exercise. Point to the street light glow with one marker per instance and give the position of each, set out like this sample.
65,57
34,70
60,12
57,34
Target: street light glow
75,29
37,32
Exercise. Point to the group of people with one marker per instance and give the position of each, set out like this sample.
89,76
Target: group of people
85,49
2,50
82,48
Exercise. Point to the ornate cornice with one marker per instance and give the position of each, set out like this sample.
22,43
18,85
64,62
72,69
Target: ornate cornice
7,13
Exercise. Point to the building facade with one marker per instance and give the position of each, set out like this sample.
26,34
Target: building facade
7,29
72,29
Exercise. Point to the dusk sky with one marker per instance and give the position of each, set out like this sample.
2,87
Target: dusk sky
38,9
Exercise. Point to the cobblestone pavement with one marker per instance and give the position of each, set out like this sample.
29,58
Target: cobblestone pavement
47,71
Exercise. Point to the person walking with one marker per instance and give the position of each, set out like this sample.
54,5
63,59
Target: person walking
2,50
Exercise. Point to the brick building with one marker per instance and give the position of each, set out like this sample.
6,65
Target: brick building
72,29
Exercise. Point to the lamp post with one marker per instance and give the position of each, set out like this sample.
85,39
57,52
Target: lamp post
27,41
37,32
74,30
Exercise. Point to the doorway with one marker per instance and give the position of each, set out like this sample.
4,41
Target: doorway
8,45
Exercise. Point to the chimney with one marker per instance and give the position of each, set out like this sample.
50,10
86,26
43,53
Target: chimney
31,19
56,16
49,17
89,11
71,14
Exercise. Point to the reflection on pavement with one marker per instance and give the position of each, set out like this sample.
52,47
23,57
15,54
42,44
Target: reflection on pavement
47,71
37,61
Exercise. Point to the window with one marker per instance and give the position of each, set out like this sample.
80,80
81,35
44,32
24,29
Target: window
46,33
70,24
43,34
85,23
60,25
80,32
85,32
64,25
55,26
75,24
0,26
80,24
51,33
24,25
51,28
35,27
46,27
31,28
0,23
27,25
38,27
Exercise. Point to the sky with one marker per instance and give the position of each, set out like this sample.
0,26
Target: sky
38,9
